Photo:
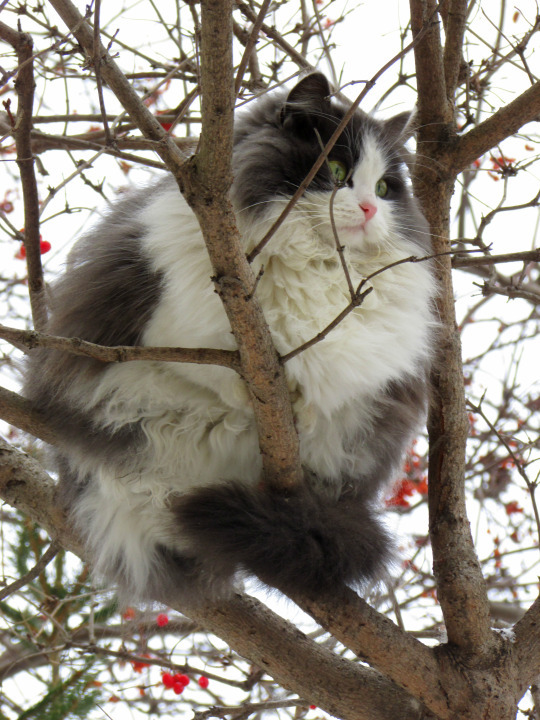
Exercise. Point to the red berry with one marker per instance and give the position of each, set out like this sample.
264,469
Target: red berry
129,614
178,688
167,679
44,246
162,619
21,252
183,679
312,707
203,682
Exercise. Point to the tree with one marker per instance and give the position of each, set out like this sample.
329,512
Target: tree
59,623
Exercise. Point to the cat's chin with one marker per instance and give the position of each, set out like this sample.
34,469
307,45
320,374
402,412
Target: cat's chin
357,230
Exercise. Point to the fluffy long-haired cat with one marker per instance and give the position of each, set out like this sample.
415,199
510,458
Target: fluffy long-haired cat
159,462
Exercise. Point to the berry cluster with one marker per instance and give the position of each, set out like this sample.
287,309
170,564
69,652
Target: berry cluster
44,247
177,682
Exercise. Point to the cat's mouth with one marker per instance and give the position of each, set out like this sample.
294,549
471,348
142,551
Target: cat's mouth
357,229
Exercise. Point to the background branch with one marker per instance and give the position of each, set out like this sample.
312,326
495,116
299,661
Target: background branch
491,132
461,592
24,85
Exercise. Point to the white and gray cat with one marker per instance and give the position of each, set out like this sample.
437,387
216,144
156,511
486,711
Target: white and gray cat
159,462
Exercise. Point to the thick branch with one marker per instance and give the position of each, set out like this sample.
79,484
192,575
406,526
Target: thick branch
375,639
205,181
504,123
527,643
455,24
21,413
348,691
460,584
26,486
434,110
206,186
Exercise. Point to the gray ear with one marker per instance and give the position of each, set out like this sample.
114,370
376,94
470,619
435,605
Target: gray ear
401,127
309,97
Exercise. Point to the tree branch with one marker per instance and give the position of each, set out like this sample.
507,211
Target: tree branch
38,568
460,585
26,486
377,640
434,110
456,20
21,413
466,261
205,182
502,124
121,353
349,690
527,644
24,85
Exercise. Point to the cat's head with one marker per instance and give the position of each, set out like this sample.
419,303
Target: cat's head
365,176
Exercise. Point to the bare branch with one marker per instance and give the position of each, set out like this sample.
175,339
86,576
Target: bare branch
24,85
455,24
434,109
205,182
466,261
21,413
460,585
276,36
121,353
501,125
38,568
250,45
375,639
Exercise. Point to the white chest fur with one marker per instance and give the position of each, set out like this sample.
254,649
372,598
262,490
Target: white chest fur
197,418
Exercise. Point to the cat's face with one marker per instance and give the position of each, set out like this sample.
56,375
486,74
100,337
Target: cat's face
357,208
360,194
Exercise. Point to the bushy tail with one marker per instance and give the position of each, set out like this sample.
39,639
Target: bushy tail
299,541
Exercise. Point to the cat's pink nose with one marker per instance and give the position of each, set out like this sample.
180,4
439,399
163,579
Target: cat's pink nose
369,209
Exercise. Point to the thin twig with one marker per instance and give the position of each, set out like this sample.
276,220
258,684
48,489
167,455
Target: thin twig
38,568
250,45
531,486
97,71
24,85
359,295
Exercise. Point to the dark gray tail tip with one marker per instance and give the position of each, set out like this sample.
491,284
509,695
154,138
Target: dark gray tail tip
299,541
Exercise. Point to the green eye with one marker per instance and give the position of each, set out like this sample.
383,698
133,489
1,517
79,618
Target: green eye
381,188
338,170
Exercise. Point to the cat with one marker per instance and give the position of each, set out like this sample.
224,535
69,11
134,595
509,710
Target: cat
159,462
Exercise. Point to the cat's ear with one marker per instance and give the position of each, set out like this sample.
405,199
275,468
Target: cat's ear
307,101
401,127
